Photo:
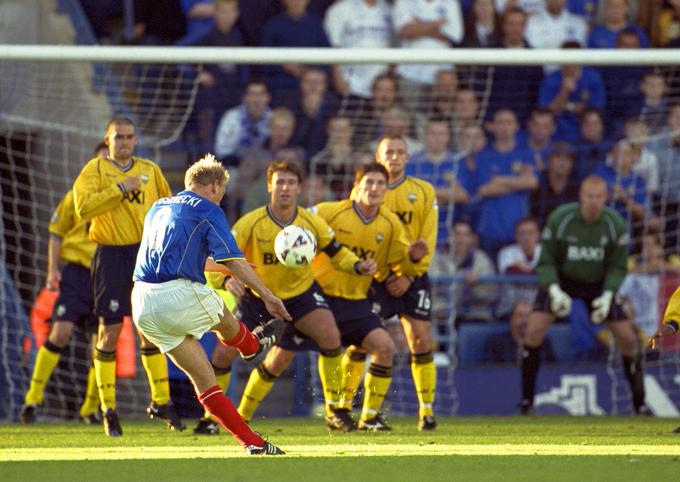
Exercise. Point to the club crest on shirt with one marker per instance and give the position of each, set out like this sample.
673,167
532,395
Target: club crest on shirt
411,197
516,166
379,237
603,240
114,305
144,178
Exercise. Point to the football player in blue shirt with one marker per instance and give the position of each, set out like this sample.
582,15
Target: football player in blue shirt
172,306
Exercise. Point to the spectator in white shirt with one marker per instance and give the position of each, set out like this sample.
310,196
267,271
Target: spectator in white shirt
520,258
554,25
244,126
422,24
358,24
646,164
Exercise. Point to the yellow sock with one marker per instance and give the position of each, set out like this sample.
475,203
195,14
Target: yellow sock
105,371
353,364
45,362
376,384
258,386
425,379
223,376
330,373
156,368
91,400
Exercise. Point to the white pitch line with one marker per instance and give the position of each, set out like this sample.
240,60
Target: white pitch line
301,451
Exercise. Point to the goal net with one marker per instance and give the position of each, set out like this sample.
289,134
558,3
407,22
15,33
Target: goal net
53,112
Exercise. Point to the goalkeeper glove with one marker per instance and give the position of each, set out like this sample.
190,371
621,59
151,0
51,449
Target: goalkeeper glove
601,306
560,302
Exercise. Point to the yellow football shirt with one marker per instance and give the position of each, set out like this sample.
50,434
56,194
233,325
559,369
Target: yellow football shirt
380,238
255,233
117,217
76,246
673,308
415,203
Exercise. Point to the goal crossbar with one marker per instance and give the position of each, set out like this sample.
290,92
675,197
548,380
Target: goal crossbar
249,55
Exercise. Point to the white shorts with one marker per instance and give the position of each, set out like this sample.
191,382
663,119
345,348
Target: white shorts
168,312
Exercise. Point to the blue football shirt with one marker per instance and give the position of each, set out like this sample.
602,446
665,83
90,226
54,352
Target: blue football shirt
499,214
180,232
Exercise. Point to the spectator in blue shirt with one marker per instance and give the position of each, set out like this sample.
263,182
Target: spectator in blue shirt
626,189
568,91
472,142
557,184
622,84
539,134
293,28
654,106
584,8
254,14
440,167
616,12
505,175
313,106
592,146
199,18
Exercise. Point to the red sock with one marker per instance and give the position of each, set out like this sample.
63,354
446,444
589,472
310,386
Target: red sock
220,407
244,341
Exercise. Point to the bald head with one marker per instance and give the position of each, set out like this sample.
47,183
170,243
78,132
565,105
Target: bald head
593,197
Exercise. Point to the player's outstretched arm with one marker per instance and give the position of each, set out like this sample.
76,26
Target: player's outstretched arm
243,271
665,330
670,320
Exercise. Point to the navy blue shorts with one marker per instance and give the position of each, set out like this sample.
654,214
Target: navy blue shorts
112,270
253,312
355,320
585,292
75,302
415,303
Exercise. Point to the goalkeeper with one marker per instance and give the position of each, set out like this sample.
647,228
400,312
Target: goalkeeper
584,255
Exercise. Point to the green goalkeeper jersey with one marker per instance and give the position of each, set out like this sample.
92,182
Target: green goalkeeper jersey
576,251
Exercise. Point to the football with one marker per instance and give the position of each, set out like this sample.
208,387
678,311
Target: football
295,246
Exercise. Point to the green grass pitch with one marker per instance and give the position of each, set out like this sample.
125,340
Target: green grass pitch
462,448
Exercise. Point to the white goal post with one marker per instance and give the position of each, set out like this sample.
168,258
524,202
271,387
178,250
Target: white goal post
251,55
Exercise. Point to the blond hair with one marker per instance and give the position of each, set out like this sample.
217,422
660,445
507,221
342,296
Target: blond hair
206,171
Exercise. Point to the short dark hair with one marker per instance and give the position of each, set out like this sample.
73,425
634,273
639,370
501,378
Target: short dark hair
119,120
627,31
392,78
592,110
255,81
525,220
285,166
364,169
571,44
541,111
